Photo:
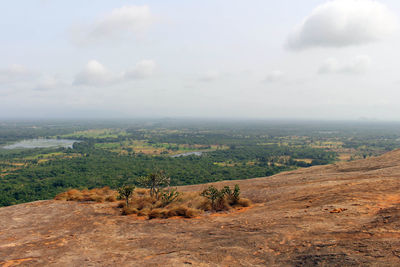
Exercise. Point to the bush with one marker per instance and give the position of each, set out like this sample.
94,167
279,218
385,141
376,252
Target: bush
223,199
126,193
169,196
217,198
155,182
233,195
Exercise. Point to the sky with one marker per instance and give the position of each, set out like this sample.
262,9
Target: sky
262,59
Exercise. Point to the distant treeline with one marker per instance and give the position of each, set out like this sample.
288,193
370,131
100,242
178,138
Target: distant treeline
98,168
250,149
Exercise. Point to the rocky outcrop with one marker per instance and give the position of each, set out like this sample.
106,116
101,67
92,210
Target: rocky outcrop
345,214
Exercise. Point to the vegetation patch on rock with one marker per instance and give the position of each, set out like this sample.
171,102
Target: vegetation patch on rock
170,203
158,202
104,194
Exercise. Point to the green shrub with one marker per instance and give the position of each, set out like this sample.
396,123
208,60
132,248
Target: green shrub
233,196
155,182
217,197
126,193
169,196
224,198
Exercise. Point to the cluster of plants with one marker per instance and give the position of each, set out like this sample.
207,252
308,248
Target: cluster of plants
169,202
158,200
225,198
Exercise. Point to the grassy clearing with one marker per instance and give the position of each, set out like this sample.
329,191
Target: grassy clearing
8,167
327,144
52,156
234,163
136,146
97,133
142,146
304,160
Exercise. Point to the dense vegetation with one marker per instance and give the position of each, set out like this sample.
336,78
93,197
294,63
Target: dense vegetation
117,153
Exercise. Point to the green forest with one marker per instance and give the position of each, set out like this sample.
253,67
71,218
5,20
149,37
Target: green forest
116,153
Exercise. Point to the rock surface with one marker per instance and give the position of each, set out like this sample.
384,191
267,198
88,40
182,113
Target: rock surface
345,214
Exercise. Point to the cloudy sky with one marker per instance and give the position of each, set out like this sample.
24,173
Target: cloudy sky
304,59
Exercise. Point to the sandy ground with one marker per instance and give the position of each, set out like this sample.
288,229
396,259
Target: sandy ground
345,214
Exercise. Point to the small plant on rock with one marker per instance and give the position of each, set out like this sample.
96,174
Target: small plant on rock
126,193
217,197
233,195
169,196
155,182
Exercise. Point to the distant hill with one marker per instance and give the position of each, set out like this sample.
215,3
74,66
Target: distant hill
345,214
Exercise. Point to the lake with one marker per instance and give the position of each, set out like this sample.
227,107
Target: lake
41,143
195,153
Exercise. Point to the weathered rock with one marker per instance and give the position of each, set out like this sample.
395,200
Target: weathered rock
290,224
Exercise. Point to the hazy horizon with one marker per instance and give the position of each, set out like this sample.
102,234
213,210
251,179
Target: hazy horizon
191,119
262,60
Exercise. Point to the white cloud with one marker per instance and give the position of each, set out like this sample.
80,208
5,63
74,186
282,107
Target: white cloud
341,23
20,79
96,74
49,82
357,65
16,73
330,65
143,69
123,22
274,76
210,76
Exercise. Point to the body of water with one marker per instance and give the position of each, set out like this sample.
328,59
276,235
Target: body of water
41,143
195,153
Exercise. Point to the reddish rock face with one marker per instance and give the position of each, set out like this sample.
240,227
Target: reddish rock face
338,215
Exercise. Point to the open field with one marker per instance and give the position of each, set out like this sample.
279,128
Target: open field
96,133
144,147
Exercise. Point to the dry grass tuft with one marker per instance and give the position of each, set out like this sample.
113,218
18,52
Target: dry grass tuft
141,191
97,194
181,211
187,205
244,202
158,213
111,198
121,205
128,210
